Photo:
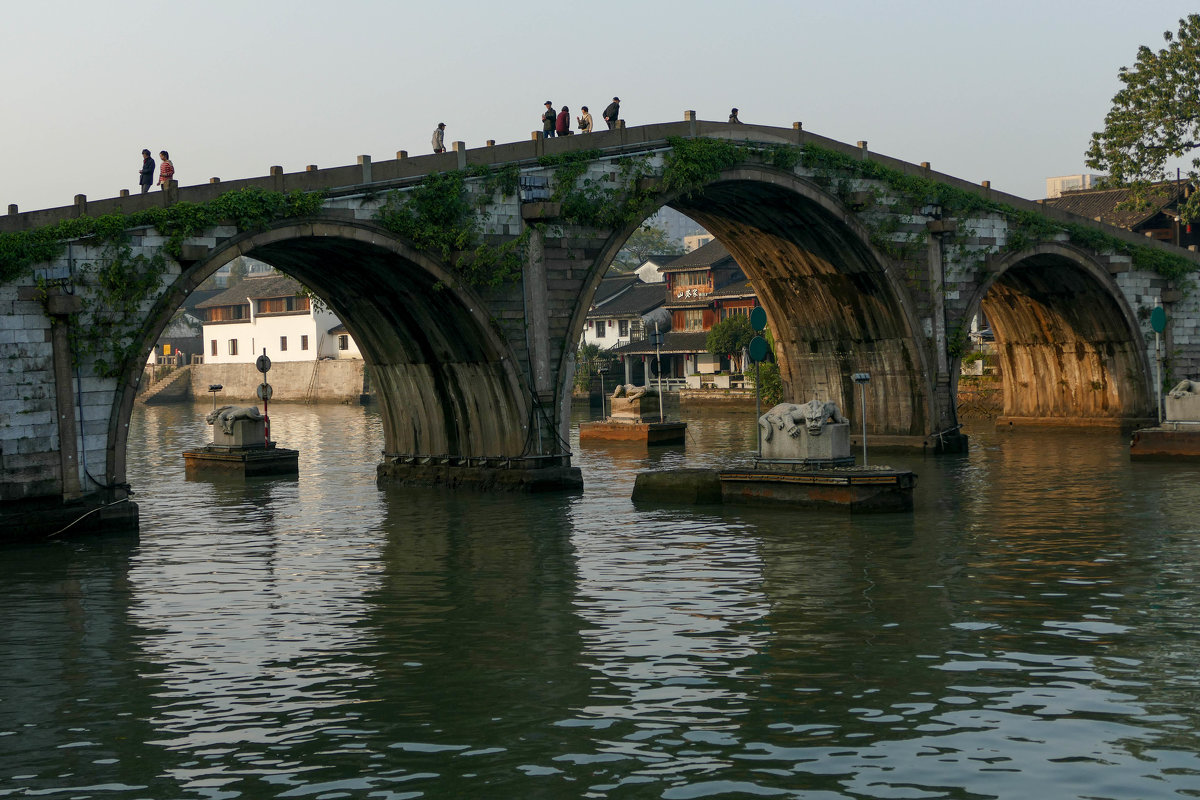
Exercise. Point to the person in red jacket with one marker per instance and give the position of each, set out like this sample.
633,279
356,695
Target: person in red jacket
562,125
166,170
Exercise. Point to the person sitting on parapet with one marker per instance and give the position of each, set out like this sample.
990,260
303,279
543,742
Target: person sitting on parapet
439,138
733,117
562,125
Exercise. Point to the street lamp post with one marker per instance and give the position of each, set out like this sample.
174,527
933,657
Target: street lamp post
862,379
658,337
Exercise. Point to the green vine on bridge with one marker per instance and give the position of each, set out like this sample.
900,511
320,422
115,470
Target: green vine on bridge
122,282
438,215
246,209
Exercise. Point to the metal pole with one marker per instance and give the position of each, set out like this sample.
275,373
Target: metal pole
602,414
1158,377
662,401
757,408
862,395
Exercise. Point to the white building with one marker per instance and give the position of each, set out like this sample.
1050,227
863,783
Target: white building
1069,183
623,309
271,314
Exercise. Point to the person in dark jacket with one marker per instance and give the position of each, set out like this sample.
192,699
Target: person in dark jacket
548,120
146,176
562,125
613,113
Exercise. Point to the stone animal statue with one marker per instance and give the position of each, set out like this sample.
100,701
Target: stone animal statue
789,418
632,391
225,415
1184,388
816,414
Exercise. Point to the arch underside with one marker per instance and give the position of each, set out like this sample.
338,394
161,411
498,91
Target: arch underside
1065,347
445,384
831,306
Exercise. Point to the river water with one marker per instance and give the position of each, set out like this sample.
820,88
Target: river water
1031,631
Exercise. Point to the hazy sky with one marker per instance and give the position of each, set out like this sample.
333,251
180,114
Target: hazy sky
1008,92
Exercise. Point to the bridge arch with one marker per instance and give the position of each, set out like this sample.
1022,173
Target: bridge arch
835,305
447,382
1069,345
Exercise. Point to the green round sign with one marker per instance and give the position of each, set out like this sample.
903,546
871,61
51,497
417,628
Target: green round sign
1158,320
758,318
758,348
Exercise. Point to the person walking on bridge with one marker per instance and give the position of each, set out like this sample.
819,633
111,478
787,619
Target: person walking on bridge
549,119
146,176
439,138
733,117
585,121
613,113
166,170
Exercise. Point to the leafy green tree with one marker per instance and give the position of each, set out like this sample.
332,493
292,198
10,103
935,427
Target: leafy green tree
237,271
645,242
771,385
1155,117
729,336
588,360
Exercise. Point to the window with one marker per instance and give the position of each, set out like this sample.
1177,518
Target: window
344,342
213,347
601,328
736,311
622,327
282,344
282,305
226,313
233,347
304,342
693,319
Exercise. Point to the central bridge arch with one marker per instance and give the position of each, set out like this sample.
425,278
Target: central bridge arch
447,382
834,304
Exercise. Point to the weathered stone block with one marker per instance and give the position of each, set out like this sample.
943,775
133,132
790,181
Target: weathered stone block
243,433
832,443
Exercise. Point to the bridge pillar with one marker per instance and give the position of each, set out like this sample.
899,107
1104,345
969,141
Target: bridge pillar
59,307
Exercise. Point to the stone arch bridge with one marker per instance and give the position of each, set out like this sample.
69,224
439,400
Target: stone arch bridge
465,278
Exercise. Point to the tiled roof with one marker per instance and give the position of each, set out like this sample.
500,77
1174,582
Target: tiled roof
673,343
611,285
1093,203
635,301
736,289
256,289
710,255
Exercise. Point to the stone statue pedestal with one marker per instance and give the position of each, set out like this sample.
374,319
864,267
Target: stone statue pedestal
830,448
1183,409
636,409
244,433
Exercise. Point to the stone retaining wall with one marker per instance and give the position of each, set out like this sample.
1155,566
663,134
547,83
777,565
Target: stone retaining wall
337,381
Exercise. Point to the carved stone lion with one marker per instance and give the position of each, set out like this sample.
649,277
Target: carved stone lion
1184,388
225,415
789,418
632,391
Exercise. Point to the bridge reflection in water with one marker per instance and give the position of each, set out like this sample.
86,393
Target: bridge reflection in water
1026,630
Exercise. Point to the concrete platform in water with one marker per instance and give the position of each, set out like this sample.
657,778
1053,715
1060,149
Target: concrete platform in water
247,462
652,433
1171,441
854,489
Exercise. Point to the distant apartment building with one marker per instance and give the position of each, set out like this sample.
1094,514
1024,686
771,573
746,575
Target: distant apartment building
697,240
1070,183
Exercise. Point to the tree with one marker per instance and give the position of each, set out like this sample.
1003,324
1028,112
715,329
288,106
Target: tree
237,271
645,242
1155,117
729,336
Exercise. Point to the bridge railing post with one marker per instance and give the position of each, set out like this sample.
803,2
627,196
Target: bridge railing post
365,163
690,118
460,150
